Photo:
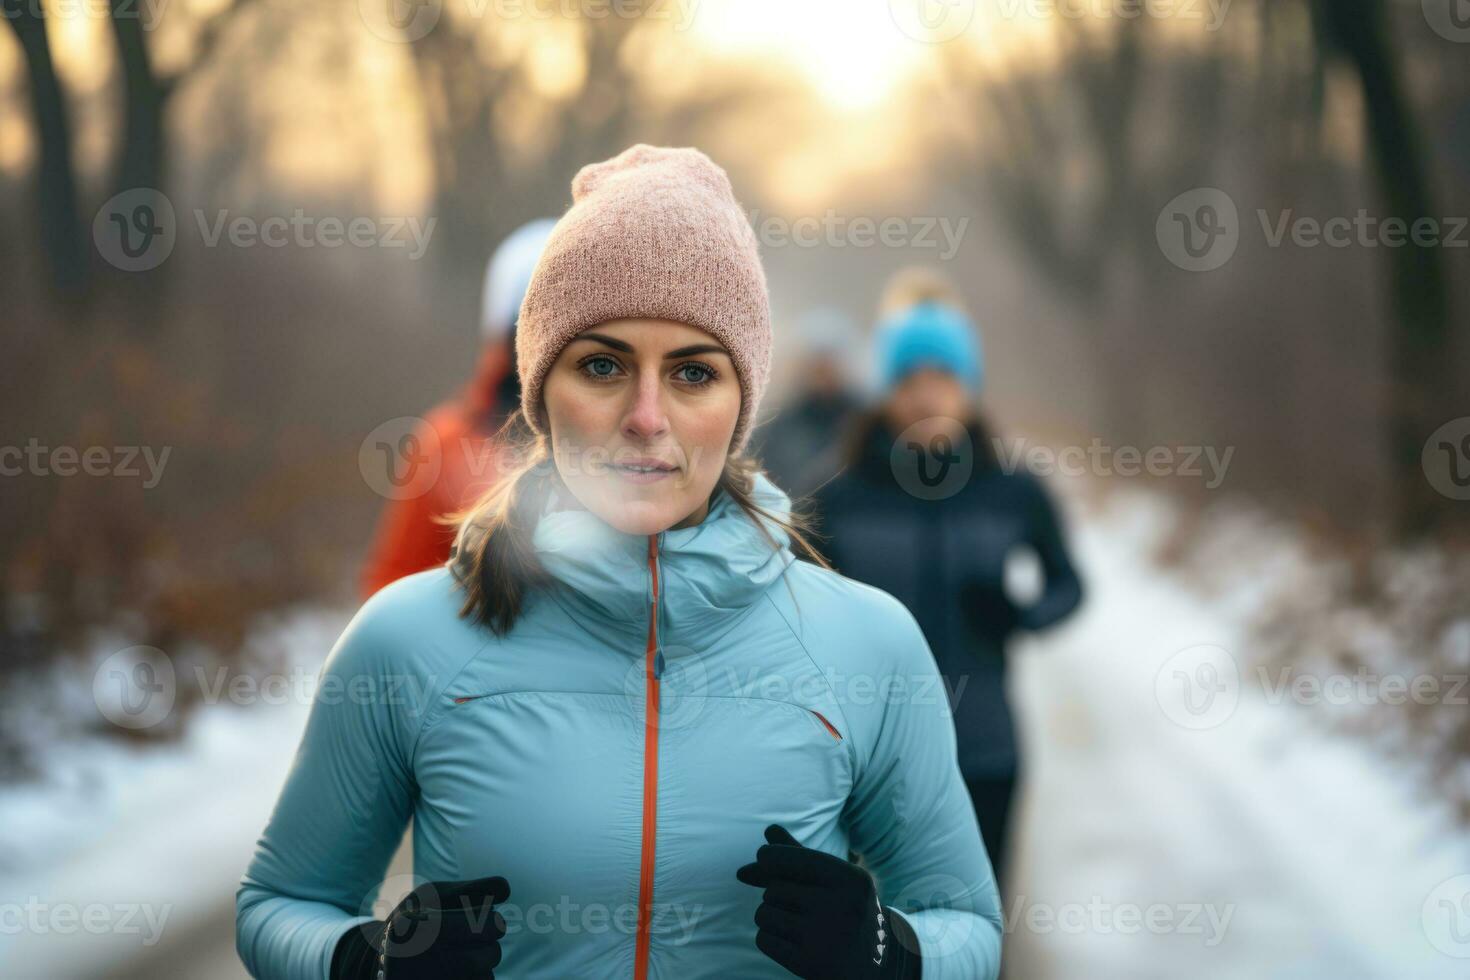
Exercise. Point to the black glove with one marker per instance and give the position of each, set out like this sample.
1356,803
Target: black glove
820,916
441,930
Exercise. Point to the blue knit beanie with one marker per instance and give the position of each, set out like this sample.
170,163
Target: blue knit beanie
928,334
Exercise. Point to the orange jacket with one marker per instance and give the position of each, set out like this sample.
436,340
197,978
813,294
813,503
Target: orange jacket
408,539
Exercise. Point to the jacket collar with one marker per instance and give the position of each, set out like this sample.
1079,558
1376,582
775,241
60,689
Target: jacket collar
710,573
873,461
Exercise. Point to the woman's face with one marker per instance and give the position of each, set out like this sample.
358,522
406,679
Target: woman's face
931,400
641,413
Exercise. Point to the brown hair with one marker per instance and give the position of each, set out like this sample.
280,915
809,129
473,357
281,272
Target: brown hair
917,284
494,560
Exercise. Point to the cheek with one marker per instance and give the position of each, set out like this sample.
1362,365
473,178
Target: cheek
711,425
956,404
901,410
577,421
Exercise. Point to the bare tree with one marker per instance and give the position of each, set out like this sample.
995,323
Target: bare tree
56,189
471,167
1358,33
142,156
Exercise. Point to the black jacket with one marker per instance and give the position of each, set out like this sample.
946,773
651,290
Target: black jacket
798,448
945,560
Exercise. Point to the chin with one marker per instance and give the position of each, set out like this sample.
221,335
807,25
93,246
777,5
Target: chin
640,516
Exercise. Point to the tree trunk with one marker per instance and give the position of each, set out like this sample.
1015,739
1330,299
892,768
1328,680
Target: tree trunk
56,197
1420,389
140,159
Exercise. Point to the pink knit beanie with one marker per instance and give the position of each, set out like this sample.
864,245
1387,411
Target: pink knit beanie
654,232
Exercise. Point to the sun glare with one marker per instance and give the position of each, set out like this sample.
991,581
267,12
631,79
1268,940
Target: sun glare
852,54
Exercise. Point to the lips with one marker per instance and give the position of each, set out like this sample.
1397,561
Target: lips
645,464
643,469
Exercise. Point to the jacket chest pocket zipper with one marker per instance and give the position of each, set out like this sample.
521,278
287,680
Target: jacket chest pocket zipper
826,724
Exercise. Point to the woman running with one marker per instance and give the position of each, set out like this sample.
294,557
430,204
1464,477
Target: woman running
636,736
925,511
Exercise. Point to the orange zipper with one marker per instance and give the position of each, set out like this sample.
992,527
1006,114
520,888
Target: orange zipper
823,719
652,671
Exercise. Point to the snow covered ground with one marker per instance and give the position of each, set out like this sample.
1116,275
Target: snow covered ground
130,854
1263,846
1164,831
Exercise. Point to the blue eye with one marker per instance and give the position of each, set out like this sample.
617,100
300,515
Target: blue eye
703,374
592,366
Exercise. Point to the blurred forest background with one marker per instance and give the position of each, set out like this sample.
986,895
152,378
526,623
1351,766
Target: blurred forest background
1057,138
1054,141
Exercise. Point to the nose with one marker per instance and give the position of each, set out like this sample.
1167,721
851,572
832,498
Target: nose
646,419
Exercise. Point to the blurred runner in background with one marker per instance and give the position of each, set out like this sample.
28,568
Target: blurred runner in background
799,447
409,538
924,511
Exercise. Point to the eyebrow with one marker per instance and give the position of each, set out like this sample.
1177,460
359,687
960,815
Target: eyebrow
627,348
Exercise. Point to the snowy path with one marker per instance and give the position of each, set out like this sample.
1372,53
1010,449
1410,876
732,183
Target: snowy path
148,841
1315,857
1262,848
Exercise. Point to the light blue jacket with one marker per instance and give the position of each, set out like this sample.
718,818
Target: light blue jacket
617,756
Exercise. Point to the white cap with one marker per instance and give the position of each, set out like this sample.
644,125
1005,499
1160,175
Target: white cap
830,334
507,276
